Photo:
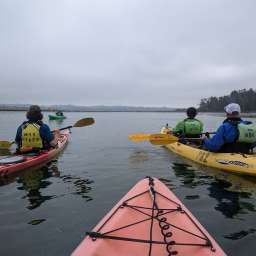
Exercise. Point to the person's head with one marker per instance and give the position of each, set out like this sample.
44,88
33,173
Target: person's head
34,113
233,110
191,112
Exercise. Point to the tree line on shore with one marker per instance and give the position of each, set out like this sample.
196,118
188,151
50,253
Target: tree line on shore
245,98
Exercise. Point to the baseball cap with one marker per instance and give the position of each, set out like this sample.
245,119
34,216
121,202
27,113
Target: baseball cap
233,108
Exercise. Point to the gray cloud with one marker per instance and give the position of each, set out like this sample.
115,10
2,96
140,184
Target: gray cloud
152,53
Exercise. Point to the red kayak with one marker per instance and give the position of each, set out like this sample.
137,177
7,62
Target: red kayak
12,164
149,220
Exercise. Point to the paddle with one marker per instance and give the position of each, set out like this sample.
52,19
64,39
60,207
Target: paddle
156,139
138,137
159,138
162,139
4,144
165,139
80,123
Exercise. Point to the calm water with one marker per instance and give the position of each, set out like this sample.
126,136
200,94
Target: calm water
48,211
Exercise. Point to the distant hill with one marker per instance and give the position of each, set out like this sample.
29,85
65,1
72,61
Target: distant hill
245,98
72,108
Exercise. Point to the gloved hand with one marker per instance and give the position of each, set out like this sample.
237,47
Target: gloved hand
207,134
204,137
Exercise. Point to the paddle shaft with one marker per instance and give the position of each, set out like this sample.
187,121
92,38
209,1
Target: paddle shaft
190,138
65,128
204,133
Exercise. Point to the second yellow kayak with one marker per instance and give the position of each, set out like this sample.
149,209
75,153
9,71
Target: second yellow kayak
232,162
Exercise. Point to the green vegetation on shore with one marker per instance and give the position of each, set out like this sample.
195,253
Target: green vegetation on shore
245,98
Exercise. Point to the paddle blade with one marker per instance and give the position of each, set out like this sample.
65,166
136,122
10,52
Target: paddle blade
138,137
84,122
162,139
4,144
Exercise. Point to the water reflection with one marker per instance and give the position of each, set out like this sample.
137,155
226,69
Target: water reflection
241,234
168,182
82,186
139,156
33,180
36,222
188,175
230,203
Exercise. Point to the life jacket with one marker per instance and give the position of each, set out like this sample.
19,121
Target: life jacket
247,133
30,137
246,138
192,127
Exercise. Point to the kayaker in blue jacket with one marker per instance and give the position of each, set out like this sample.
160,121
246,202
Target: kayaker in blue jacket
33,134
234,135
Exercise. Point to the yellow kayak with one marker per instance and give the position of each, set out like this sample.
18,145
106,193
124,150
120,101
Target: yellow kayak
232,162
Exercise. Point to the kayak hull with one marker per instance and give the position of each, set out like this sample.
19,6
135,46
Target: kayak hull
129,227
54,117
231,162
38,160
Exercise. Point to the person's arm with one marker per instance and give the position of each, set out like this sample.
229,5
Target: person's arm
216,142
202,127
18,136
56,135
47,135
179,128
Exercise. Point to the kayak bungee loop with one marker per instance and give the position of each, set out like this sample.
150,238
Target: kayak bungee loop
162,221
153,214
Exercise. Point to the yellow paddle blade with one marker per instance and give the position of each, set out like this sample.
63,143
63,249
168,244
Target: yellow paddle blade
162,139
138,137
4,144
84,122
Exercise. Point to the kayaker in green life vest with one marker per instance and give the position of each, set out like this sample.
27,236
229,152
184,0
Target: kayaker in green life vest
33,134
189,127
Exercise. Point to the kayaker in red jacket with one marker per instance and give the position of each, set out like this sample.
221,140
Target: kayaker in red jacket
33,134
234,135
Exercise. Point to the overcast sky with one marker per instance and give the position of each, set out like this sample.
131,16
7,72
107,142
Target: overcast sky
125,52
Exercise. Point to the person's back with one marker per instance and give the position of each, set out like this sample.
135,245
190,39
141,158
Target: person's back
189,127
59,113
234,135
33,134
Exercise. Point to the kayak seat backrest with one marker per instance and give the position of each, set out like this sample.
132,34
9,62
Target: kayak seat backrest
12,160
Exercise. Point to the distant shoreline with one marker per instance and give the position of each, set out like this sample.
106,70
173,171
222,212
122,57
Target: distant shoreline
97,108
111,111
246,114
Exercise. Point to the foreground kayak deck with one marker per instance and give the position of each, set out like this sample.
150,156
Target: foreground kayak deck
36,160
232,162
149,220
